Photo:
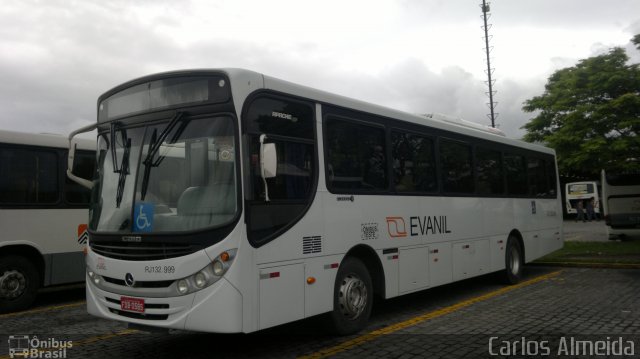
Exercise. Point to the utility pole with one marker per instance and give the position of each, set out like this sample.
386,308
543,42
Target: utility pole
490,81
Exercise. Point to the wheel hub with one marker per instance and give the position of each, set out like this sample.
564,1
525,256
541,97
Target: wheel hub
353,297
514,263
12,284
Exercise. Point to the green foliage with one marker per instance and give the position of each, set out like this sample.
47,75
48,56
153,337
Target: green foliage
590,114
596,252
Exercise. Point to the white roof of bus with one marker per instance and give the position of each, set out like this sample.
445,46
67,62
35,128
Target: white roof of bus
44,140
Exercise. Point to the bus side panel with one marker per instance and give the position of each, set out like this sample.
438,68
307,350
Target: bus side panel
414,269
440,264
470,258
318,293
55,233
625,212
282,267
281,294
66,267
549,217
497,247
525,221
498,222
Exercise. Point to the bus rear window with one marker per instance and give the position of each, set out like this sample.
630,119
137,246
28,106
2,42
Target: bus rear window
582,188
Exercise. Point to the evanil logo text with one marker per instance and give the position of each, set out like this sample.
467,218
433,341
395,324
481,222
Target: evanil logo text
417,226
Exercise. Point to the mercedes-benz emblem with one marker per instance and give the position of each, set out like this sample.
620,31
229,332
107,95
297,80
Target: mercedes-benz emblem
128,280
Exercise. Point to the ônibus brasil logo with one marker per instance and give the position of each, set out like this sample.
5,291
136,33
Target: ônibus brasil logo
24,346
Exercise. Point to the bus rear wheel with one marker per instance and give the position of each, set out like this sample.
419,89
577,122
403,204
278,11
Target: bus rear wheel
514,261
19,283
353,297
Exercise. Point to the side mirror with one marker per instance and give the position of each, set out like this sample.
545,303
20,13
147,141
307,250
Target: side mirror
268,160
268,163
72,152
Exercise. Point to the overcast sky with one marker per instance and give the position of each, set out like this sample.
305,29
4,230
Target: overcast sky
419,56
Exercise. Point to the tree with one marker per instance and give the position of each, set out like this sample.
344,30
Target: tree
590,114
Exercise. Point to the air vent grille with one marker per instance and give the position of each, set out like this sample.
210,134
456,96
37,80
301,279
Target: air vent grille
311,245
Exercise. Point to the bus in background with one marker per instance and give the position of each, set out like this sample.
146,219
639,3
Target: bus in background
582,191
230,201
621,200
43,215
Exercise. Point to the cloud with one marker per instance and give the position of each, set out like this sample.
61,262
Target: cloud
58,56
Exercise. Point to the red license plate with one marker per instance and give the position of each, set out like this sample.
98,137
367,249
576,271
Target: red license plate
132,304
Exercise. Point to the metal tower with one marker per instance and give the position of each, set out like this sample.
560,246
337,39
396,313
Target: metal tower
485,6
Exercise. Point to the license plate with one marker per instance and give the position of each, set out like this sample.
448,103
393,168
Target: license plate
132,304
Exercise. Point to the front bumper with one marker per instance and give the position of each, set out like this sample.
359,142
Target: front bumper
216,309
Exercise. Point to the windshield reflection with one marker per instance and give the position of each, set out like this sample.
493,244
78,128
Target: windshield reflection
181,180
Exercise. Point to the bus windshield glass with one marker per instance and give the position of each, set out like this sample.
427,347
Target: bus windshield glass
170,177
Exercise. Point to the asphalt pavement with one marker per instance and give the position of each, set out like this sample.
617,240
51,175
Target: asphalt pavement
594,231
476,318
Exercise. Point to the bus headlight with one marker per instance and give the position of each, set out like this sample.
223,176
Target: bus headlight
200,280
218,268
183,287
208,275
94,277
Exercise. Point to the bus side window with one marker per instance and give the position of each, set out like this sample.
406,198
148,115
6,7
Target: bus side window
456,168
489,171
29,176
413,163
356,157
516,173
537,180
551,177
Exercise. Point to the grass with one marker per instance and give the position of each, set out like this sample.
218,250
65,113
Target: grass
612,252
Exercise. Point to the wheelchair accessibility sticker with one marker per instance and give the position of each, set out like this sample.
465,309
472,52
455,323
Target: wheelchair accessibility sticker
143,217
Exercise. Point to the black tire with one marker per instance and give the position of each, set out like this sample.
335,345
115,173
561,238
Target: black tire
352,298
514,261
19,283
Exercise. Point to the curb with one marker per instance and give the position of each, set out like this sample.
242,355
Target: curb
588,265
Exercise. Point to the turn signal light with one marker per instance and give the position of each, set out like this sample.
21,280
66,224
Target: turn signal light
224,256
311,280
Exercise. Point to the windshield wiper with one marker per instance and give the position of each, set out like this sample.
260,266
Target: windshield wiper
154,146
124,171
114,156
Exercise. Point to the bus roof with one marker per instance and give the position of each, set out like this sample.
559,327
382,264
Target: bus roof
44,140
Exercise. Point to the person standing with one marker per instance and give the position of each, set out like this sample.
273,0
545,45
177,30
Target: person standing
580,210
590,212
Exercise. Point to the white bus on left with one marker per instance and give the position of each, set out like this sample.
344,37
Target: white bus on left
43,215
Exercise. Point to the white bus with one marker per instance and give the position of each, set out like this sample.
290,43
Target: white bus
621,200
43,215
230,201
582,191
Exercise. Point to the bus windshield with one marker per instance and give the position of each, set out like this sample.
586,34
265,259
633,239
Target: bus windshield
170,177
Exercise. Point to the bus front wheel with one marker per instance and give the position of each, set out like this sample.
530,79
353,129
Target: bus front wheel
513,261
19,283
353,297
